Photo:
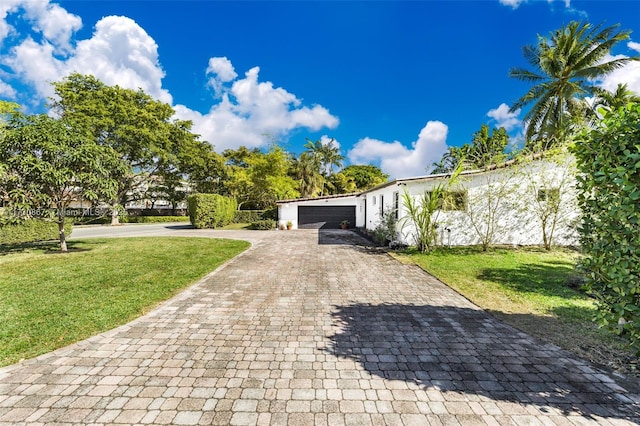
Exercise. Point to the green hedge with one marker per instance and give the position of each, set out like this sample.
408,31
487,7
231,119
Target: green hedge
155,219
211,210
608,158
32,230
250,216
263,225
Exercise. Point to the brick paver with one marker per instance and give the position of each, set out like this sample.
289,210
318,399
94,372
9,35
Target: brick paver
309,328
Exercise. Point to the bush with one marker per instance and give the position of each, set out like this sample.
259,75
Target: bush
156,219
211,210
248,216
608,158
263,225
32,230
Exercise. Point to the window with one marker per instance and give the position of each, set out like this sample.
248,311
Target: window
548,194
381,205
396,203
453,200
373,200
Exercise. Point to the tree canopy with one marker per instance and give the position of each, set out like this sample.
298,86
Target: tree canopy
565,68
50,163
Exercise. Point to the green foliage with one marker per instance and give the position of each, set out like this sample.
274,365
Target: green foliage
31,230
50,163
263,225
248,216
364,176
257,179
387,230
141,130
422,212
156,219
485,149
566,66
211,210
608,158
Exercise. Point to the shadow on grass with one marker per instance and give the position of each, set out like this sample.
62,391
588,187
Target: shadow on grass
554,278
468,351
46,247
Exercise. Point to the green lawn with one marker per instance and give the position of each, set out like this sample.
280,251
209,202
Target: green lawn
532,289
50,299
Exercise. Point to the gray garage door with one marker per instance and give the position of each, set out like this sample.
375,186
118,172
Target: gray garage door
325,217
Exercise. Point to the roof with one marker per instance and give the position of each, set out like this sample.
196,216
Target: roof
424,178
324,197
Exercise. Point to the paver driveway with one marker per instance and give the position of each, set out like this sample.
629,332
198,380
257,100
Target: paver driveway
308,328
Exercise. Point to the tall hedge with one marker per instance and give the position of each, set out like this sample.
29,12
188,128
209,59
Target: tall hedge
211,210
608,159
30,231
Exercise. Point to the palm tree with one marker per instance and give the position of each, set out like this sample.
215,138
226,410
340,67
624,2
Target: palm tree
566,65
614,100
328,155
306,170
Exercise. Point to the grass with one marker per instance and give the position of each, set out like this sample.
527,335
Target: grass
50,299
534,290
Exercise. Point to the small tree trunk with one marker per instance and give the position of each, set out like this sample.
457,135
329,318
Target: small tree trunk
115,218
63,237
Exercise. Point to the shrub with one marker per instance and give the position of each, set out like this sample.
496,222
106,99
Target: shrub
263,225
248,216
608,158
31,230
156,219
211,210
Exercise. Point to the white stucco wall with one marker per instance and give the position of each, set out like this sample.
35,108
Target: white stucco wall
288,211
517,212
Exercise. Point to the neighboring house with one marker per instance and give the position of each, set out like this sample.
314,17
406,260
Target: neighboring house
504,205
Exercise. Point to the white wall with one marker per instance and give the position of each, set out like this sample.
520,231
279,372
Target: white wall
517,221
289,211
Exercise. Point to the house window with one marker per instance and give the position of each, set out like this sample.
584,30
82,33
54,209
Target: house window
452,200
373,200
381,205
545,194
396,204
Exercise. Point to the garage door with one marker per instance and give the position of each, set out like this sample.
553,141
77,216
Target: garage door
325,217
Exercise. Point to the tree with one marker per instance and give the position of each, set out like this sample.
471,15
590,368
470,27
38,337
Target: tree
551,182
364,176
492,204
608,159
259,179
306,171
485,149
327,154
614,100
137,127
50,163
566,66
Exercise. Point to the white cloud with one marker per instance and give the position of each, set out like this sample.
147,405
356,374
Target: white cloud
121,52
250,110
505,118
55,23
399,161
326,140
512,3
634,46
629,74
7,91
220,71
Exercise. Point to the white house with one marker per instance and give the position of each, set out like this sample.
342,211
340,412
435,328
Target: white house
507,204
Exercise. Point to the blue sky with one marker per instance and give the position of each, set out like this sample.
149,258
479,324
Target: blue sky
394,83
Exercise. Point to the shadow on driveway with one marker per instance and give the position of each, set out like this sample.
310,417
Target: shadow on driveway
467,351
